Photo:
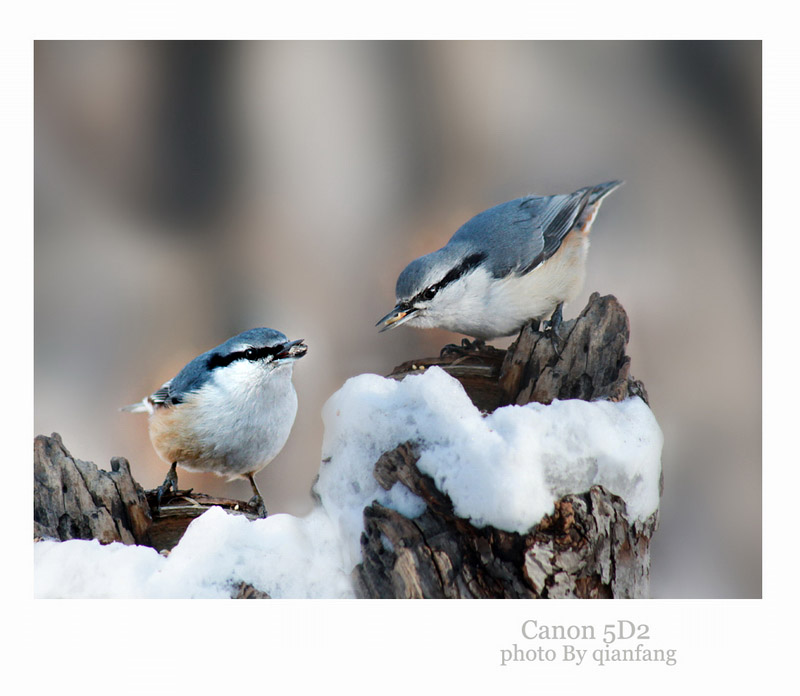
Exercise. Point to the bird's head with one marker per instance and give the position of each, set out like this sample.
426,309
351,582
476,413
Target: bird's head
255,350
431,287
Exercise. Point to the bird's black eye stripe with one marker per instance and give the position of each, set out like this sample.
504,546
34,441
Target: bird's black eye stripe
469,263
252,354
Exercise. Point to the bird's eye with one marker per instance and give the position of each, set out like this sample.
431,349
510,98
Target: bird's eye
251,354
429,294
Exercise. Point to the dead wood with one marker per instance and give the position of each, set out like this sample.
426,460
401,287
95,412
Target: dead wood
586,549
74,499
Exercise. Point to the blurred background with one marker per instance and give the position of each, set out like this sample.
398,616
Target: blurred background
187,191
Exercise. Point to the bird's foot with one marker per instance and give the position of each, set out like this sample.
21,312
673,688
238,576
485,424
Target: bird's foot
257,502
465,348
556,340
552,329
170,483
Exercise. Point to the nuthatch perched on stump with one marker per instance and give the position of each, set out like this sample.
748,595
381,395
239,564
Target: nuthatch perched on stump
228,411
509,265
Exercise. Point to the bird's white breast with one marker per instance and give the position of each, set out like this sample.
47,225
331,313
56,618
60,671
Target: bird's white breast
235,424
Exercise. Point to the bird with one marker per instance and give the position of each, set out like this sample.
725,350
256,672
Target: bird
510,265
229,411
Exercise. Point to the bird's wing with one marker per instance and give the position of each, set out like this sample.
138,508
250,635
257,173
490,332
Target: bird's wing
191,378
174,391
162,396
553,218
521,234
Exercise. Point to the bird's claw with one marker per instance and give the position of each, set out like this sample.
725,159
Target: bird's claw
257,502
552,329
170,483
465,348
556,339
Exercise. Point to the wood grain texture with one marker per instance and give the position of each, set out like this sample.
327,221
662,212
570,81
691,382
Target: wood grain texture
586,549
73,499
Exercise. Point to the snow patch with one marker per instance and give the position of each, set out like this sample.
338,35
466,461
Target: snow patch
506,469
283,555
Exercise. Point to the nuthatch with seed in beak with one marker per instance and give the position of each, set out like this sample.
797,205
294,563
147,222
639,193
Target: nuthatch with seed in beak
228,411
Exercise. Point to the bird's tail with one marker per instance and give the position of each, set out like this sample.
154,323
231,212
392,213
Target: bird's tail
139,407
599,192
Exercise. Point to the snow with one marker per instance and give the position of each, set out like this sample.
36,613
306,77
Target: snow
283,555
505,469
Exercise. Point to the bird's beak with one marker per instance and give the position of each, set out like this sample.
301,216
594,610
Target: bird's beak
292,349
399,315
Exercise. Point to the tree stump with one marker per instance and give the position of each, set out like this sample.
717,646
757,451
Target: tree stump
586,549
73,499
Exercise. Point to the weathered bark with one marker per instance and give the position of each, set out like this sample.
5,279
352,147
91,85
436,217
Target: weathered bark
590,365
246,591
178,509
587,548
74,499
